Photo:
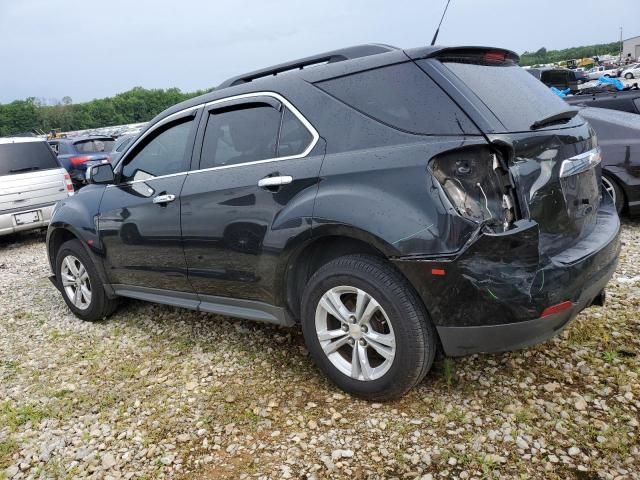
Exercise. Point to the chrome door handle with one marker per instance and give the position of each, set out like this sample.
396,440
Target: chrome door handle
275,181
164,198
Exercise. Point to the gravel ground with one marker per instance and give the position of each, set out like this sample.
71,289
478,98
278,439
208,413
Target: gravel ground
161,392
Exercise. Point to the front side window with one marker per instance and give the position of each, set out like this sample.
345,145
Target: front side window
238,135
164,154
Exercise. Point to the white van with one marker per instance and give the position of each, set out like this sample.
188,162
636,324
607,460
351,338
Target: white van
31,183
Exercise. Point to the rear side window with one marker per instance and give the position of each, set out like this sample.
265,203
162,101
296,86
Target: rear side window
401,96
240,135
26,157
516,98
294,136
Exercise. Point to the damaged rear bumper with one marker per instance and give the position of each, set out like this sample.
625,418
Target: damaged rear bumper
491,297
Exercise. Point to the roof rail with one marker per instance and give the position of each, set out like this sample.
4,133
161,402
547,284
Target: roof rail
327,57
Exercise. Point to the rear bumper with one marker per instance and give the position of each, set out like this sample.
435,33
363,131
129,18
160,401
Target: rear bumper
493,294
8,223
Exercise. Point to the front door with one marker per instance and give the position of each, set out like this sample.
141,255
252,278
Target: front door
139,221
252,194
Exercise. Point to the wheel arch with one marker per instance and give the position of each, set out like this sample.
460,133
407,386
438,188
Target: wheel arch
325,245
58,235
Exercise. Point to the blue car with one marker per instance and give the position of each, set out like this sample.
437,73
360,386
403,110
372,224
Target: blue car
74,153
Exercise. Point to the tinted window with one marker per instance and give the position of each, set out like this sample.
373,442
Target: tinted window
165,154
123,144
240,135
94,146
402,96
294,136
26,157
64,149
514,96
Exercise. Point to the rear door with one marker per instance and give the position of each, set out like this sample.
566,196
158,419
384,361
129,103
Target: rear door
252,193
139,221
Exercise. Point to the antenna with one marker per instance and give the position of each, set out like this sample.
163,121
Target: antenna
435,35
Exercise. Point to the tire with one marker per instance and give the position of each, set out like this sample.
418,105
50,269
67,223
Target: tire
612,187
629,76
94,306
394,316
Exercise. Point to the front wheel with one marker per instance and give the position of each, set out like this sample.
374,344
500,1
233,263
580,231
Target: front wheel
629,76
366,328
80,284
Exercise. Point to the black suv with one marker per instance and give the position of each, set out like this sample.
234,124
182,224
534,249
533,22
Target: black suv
391,201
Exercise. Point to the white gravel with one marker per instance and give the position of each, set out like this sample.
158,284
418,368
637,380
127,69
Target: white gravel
161,392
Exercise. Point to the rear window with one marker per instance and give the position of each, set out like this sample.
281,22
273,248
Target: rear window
401,96
26,157
94,146
516,98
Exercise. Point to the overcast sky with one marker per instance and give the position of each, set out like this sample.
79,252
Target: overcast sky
91,49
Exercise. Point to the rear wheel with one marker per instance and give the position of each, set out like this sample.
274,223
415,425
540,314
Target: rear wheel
80,284
629,76
612,188
366,329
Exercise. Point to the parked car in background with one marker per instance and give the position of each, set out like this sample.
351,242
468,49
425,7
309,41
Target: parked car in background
561,78
631,71
31,183
390,201
601,71
624,101
74,153
619,141
120,146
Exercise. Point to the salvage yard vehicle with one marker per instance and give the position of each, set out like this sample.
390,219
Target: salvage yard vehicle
390,201
619,141
625,101
75,153
601,71
31,182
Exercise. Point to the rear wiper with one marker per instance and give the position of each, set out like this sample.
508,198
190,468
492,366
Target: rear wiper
561,117
25,169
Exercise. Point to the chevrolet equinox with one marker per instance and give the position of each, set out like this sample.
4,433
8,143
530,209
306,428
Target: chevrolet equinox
392,202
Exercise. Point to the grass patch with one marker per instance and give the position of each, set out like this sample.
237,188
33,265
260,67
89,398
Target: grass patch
448,371
7,448
14,417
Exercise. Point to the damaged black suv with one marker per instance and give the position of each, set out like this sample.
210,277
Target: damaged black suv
392,202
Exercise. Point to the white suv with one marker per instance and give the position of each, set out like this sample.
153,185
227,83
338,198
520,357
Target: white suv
31,183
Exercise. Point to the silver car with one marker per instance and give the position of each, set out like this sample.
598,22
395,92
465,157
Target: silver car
31,183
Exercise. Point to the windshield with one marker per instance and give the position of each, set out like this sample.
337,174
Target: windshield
24,157
515,97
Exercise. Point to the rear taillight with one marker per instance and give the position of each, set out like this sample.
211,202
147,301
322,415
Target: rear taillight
68,184
477,185
75,161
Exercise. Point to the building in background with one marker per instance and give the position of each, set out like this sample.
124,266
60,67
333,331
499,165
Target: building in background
631,49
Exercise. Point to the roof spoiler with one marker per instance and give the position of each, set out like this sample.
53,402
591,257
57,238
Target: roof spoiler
478,55
340,55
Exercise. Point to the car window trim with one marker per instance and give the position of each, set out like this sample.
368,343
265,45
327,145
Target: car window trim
314,134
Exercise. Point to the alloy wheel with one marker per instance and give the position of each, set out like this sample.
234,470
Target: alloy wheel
75,281
609,188
355,333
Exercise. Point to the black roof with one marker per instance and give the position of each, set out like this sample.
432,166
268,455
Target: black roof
359,56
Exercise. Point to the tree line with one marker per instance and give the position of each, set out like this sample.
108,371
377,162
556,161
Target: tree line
543,55
136,105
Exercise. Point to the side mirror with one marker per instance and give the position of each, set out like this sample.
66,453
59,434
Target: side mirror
100,174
